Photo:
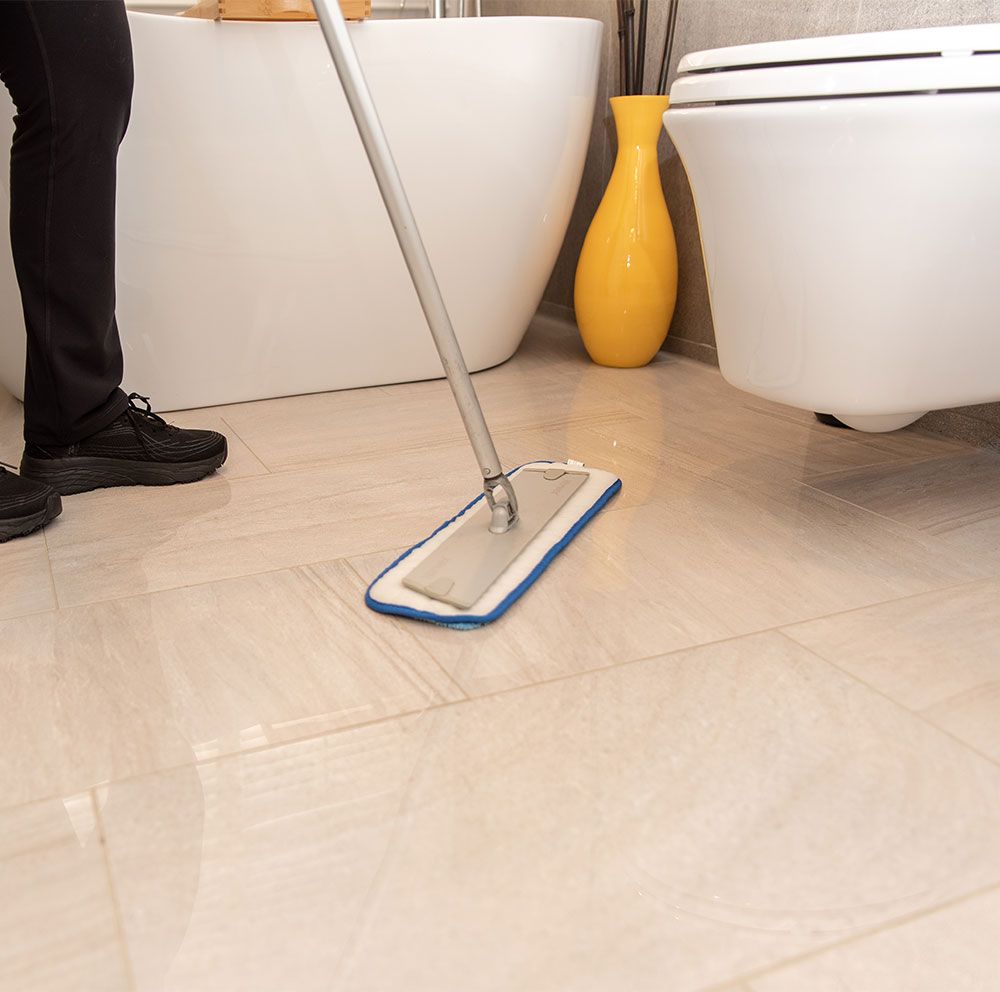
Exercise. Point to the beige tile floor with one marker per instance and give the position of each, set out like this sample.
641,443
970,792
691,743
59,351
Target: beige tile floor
743,736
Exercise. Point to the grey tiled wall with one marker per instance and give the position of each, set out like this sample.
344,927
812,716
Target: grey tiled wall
705,24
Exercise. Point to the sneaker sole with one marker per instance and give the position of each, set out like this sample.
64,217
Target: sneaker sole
80,474
23,526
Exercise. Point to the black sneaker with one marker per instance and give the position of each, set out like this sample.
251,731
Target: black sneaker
25,506
138,449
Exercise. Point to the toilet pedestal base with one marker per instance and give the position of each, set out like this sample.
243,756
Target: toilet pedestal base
880,424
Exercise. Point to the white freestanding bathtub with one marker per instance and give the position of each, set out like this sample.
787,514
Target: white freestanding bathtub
255,258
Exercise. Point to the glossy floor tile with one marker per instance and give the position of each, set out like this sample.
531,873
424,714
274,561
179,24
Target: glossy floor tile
706,563
667,824
104,692
953,949
58,929
742,731
25,577
937,654
955,498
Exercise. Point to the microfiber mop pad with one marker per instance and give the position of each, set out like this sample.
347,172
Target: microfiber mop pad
389,593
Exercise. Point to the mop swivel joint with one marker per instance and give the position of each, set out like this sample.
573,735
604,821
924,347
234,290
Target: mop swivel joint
503,510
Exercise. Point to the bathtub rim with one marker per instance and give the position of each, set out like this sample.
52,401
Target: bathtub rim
380,23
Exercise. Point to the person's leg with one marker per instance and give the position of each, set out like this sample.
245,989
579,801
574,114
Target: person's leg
68,67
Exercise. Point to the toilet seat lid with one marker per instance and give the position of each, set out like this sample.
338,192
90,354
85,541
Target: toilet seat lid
887,63
913,43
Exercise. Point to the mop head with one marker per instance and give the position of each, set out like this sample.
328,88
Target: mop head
462,576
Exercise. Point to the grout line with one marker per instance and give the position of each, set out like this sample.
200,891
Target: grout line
112,890
906,709
398,664
936,541
344,458
232,430
915,531
406,671
369,903
784,628
197,585
896,462
52,574
901,921
416,642
890,463
963,744
442,442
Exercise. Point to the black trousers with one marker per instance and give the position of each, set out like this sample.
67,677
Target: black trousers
68,67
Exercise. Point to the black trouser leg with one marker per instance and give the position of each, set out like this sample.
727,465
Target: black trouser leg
68,67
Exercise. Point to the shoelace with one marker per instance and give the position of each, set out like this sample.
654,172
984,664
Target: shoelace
147,412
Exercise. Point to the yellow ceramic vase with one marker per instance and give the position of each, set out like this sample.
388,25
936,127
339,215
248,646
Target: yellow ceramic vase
626,279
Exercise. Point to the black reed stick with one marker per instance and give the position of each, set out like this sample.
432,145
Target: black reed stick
621,47
673,36
640,54
629,46
668,44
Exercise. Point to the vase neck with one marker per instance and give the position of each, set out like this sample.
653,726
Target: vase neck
638,119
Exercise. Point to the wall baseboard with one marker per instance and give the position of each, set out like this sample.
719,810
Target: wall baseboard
692,349
679,346
962,426
558,312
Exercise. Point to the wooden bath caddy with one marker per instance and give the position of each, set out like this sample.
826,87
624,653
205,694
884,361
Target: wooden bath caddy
273,10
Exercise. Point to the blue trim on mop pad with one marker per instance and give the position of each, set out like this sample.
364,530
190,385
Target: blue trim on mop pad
474,621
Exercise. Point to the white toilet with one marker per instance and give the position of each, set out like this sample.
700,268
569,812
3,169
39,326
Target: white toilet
848,196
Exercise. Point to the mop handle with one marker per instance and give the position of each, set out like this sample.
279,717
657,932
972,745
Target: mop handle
359,97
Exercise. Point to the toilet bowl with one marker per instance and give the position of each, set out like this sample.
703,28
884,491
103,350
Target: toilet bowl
848,198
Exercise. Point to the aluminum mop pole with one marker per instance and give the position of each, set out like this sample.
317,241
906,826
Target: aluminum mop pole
359,98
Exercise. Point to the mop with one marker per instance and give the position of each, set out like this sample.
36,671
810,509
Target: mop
476,565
